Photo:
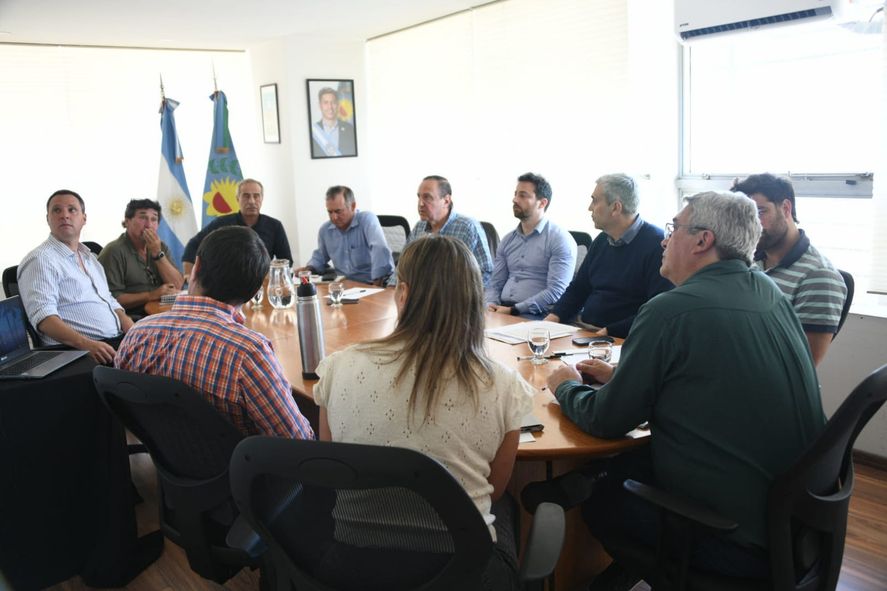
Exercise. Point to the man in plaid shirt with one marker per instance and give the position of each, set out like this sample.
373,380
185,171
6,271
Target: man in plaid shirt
202,341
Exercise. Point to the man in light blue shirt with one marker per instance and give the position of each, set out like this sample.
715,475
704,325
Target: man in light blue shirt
535,261
353,240
436,216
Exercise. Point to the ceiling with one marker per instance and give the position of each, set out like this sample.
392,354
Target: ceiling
209,24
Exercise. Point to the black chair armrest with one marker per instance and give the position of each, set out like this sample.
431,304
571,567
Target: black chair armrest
544,543
243,537
679,506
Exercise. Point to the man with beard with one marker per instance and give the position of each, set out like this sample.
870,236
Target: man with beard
620,273
535,262
812,284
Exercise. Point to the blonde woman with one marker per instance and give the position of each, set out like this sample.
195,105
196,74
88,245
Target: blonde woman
430,386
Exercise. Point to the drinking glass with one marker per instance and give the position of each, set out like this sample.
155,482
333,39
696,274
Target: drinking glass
538,340
257,298
337,290
600,350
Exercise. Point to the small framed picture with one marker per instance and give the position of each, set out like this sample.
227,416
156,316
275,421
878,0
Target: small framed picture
331,118
270,118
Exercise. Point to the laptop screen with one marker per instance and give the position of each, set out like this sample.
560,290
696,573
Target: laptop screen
13,334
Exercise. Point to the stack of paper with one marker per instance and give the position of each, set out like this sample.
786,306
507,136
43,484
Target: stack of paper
514,334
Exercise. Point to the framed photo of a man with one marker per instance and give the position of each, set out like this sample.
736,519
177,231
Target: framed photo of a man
331,118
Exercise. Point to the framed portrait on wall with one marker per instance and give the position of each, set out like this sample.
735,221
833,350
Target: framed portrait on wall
270,118
331,118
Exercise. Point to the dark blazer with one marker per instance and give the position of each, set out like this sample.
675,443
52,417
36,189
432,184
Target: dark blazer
347,141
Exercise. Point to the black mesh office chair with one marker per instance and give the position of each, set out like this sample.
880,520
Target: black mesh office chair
583,244
397,230
371,517
191,444
806,513
851,285
10,288
95,247
492,238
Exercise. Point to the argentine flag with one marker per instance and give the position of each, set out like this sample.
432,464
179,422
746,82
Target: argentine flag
177,224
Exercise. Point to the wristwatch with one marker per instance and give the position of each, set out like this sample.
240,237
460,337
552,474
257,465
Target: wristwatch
159,256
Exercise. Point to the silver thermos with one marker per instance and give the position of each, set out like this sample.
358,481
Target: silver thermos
310,328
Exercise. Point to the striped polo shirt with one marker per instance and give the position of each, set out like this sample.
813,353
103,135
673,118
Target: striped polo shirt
811,283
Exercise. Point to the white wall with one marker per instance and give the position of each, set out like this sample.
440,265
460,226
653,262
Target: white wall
298,182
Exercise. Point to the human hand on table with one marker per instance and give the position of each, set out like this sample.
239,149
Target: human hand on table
561,375
601,371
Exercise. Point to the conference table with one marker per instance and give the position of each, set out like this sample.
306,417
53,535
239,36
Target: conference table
558,448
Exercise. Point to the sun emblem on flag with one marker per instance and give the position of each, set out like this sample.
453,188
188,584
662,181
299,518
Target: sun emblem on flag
176,206
221,199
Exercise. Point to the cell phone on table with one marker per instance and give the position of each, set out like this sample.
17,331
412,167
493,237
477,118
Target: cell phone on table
585,341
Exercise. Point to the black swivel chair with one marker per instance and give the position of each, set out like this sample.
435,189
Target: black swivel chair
806,513
95,247
397,230
191,444
492,238
851,285
440,538
10,288
583,245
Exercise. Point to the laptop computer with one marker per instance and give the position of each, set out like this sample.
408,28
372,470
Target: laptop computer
17,359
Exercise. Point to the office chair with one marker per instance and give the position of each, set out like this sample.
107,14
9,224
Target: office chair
583,245
397,231
806,513
492,238
10,288
191,446
372,517
95,247
848,281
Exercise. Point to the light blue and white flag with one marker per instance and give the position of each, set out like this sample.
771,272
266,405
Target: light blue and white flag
178,223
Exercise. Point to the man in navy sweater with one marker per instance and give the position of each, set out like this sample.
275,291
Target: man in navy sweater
621,270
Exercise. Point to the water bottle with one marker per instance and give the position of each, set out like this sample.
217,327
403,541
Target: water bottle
310,328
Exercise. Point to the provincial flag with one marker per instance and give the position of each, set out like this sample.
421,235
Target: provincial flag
177,223
223,171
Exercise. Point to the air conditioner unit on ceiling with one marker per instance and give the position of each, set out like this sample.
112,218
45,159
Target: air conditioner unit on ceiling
696,19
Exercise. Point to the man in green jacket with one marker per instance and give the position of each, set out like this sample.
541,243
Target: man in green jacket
721,369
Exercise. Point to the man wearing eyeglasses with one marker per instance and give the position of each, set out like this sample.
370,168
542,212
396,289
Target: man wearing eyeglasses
137,263
621,270
719,368
784,253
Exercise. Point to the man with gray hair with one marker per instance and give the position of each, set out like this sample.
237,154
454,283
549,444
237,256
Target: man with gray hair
353,240
621,270
719,367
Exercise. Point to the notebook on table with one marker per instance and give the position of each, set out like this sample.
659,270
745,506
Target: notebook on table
17,359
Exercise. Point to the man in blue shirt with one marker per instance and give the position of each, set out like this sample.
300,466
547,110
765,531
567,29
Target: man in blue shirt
621,270
436,216
353,240
535,262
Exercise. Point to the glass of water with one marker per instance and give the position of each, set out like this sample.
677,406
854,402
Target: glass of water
337,290
257,298
538,340
600,350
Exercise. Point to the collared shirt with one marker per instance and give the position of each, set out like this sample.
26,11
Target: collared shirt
52,283
203,343
360,252
721,369
469,231
629,234
126,270
811,283
269,230
533,270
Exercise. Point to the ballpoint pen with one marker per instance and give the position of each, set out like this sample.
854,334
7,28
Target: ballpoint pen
557,355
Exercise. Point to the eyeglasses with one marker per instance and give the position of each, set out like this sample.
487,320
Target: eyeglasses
670,227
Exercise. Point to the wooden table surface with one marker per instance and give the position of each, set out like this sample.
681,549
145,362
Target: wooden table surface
375,316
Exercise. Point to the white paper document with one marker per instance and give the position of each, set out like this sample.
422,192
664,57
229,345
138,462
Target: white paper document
514,334
355,293
526,438
577,355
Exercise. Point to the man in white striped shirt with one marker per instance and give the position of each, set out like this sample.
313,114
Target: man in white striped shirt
64,289
808,279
